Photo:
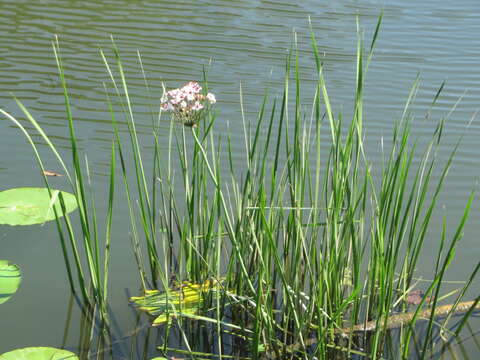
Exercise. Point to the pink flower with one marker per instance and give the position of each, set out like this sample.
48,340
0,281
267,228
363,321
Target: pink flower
192,86
211,98
197,106
172,93
186,102
166,106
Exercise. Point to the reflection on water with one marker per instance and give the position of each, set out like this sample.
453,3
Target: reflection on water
98,340
239,42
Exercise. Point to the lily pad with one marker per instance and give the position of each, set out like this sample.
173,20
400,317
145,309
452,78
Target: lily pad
10,278
28,206
38,353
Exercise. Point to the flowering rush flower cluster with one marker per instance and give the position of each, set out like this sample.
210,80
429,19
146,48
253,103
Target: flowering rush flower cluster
187,104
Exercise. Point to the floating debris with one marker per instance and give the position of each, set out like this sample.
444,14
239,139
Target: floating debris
51,173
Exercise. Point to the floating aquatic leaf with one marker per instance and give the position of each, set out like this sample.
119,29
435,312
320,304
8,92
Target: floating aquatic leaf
10,278
184,301
38,353
28,206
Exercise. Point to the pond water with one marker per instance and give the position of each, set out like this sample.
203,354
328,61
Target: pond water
242,42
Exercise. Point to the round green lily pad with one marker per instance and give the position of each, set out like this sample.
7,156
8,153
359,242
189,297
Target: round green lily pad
38,353
10,278
28,206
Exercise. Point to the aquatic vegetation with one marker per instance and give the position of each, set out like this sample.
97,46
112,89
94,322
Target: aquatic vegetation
90,270
10,279
38,353
185,300
28,206
187,104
